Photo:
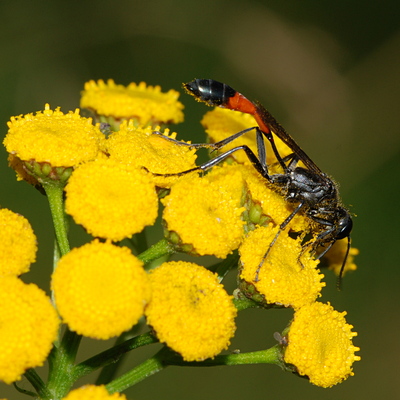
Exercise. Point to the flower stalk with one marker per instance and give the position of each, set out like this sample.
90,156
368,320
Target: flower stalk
112,355
54,192
146,369
61,364
166,357
158,250
115,178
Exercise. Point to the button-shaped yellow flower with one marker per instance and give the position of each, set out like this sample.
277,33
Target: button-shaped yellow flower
282,278
190,310
100,289
62,140
111,200
92,392
320,345
28,327
17,243
142,148
206,212
146,104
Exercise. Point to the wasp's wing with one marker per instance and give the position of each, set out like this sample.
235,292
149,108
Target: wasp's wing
278,130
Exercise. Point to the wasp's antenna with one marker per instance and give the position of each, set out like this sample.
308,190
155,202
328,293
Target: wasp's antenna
339,278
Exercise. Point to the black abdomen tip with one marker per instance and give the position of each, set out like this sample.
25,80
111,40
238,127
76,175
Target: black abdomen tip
211,92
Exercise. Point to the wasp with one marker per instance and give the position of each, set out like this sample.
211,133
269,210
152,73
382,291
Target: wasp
308,189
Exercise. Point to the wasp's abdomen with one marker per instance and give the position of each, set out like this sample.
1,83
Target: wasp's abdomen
209,91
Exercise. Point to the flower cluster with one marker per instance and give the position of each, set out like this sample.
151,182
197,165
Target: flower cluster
278,270
112,176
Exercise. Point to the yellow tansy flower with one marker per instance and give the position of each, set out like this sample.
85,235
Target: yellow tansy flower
335,256
62,140
206,212
17,243
282,279
28,327
142,148
221,123
320,345
190,310
100,289
92,392
111,200
146,104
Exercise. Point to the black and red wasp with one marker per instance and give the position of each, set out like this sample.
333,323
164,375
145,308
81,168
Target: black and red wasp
310,190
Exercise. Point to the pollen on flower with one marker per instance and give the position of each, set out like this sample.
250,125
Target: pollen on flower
145,104
283,279
142,148
190,310
111,200
18,244
100,289
320,345
53,137
221,123
93,392
28,327
206,212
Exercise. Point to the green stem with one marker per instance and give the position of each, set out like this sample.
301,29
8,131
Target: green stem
268,356
222,268
242,304
61,364
158,250
149,367
112,355
56,258
108,372
166,357
54,194
37,383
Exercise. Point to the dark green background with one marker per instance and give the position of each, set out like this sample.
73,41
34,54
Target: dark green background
329,72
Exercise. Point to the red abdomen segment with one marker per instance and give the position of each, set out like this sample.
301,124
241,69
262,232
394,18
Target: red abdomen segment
215,93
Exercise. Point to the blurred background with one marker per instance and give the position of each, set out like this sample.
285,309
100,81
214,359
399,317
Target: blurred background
328,71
